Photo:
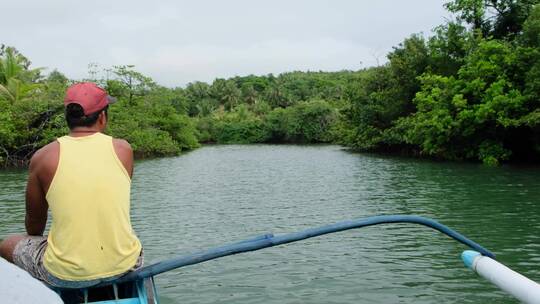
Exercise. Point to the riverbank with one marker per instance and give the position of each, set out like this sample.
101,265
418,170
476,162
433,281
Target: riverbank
401,154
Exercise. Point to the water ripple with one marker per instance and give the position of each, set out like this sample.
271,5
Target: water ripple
220,194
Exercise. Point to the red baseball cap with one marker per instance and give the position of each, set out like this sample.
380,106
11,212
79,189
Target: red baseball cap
87,94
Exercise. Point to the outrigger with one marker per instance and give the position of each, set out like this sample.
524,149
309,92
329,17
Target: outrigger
138,287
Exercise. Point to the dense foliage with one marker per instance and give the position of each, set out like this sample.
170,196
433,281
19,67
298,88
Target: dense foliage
468,92
147,115
292,107
464,93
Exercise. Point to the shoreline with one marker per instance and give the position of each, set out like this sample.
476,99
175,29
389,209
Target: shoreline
406,154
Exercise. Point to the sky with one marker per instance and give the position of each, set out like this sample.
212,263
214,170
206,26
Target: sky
177,42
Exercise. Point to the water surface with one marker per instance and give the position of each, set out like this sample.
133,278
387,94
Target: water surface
221,194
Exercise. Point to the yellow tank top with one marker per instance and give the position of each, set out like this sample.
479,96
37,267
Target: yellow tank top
91,235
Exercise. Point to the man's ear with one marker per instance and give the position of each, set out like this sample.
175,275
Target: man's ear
102,118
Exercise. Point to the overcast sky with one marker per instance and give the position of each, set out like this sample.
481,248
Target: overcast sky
176,42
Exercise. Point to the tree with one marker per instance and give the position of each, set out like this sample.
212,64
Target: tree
408,61
531,29
310,122
226,93
249,94
195,93
449,47
15,76
472,12
498,18
129,83
481,112
276,95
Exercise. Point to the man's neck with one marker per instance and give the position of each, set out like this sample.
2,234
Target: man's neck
79,132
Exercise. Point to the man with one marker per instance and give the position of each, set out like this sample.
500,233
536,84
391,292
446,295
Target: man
84,178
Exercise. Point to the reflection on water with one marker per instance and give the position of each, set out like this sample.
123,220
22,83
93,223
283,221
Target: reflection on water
220,194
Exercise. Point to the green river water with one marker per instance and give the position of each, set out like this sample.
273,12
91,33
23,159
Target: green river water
220,194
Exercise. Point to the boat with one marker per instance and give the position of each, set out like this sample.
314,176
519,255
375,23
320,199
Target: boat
138,287
15,284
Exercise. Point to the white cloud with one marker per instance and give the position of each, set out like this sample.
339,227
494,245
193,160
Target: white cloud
176,42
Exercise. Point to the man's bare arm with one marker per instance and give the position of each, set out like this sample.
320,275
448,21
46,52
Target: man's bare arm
36,204
125,154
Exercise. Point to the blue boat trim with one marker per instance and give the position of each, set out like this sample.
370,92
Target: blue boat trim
269,240
147,294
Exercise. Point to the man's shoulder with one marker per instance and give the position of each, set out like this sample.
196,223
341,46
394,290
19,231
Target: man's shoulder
121,144
46,152
45,160
125,154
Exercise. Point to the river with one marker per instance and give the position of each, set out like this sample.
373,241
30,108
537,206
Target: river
220,194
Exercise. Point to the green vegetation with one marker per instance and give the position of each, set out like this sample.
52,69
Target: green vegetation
471,91
461,94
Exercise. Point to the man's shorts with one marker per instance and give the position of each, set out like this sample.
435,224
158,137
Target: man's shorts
28,255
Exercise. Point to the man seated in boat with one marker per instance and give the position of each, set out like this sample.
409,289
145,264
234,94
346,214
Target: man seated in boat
84,178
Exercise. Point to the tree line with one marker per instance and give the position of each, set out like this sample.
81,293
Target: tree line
470,91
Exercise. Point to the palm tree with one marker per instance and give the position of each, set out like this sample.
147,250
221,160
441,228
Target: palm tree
249,94
15,77
231,95
226,92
